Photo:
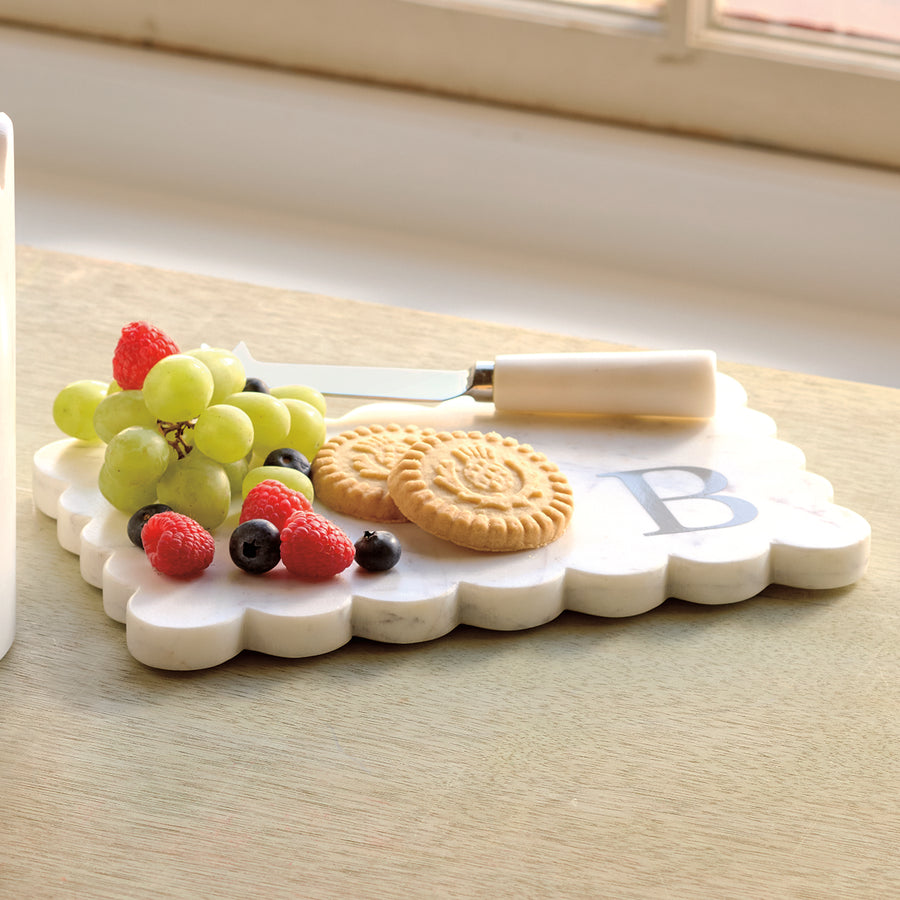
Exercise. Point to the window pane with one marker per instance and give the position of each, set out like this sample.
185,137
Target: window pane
878,19
653,7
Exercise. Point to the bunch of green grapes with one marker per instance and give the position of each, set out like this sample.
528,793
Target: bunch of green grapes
192,437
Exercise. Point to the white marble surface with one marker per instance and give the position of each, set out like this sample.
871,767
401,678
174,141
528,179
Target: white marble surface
653,519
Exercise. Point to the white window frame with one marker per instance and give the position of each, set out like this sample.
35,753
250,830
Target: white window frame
679,73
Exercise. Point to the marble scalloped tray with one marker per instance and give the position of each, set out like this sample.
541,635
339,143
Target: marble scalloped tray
708,511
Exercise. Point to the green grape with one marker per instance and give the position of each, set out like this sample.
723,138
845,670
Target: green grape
198,487
121,410
223,433
137,455
301,392
291,477
73,408
256,460
237,472
307,432
113,388
178,388
270,417
127,496
134,461
227,371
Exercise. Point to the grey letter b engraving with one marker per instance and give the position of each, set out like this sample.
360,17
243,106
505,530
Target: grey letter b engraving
741,510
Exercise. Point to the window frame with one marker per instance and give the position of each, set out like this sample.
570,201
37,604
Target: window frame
686,73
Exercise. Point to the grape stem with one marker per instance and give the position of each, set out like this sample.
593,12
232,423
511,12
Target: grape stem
174,433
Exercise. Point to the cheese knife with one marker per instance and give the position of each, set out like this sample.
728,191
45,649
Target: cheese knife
677,383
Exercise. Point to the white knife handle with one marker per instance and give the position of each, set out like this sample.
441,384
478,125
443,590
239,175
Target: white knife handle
678,383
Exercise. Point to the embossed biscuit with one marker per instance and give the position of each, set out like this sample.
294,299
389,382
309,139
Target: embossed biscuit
482,491
350,470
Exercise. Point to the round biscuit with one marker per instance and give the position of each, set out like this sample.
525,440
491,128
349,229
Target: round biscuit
350,471
482,491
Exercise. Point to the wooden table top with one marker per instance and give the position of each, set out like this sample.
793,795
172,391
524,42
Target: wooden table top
711,752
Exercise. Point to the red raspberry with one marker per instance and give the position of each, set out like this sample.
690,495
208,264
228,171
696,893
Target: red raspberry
274,501
177,545
313,547
140,348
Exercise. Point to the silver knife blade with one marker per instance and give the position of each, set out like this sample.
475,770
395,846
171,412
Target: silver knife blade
372,381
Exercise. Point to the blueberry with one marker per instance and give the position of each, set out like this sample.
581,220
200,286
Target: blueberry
289,459
255,546
256,385
377,551
137,522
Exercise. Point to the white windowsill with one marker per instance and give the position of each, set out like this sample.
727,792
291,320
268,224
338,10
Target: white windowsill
414,201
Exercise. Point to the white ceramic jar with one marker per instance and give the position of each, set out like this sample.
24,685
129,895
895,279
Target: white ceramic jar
7,389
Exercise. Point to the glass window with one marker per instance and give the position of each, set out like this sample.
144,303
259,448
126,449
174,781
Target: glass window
870,19
814,76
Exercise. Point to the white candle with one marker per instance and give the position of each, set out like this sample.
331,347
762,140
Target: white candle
7,389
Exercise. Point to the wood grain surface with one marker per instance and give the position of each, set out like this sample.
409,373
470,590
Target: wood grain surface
745,751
